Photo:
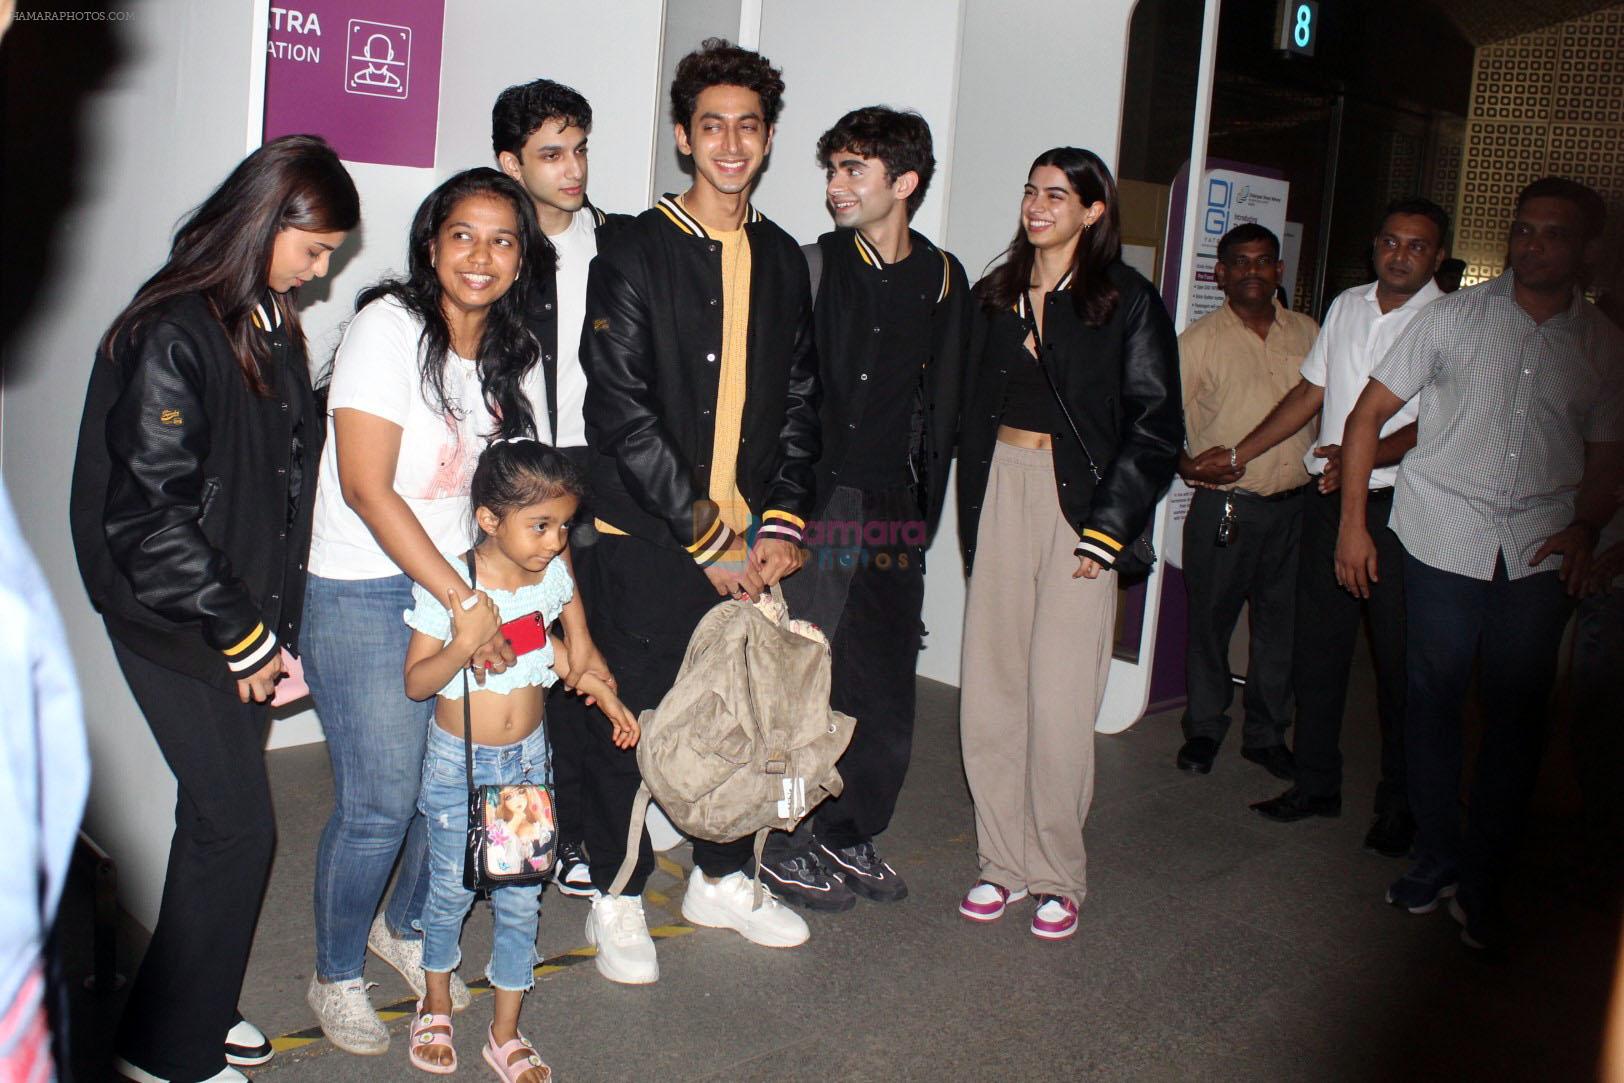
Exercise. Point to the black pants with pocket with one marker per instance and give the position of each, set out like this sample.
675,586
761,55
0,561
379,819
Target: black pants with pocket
643,602
185,995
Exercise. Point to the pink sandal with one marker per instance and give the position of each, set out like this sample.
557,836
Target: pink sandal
497,1056
425,1037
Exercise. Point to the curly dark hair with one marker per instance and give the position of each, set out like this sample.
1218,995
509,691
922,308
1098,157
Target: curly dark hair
507,349
520,110
899,139
718,62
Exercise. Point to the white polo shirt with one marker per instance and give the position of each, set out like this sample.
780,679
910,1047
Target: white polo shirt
1356,336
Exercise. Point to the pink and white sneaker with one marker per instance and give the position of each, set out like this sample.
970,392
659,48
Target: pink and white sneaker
986,901
1055,918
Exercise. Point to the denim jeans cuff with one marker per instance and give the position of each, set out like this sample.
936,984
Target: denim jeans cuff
506,987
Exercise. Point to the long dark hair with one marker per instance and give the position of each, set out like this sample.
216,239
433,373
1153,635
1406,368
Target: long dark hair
507,349
223,248
1098,248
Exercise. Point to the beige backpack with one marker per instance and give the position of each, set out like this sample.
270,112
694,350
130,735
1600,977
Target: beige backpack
745,740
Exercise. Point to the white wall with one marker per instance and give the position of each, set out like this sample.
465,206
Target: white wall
1033,74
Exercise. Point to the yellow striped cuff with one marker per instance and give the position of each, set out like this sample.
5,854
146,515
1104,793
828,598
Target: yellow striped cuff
1114,545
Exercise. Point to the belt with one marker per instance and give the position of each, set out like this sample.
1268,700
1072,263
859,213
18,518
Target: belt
1273,497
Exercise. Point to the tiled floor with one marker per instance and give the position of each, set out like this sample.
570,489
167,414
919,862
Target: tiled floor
1214,945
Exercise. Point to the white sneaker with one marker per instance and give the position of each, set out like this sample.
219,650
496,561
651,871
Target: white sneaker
346,1016
406,956
141,1075
247,1046
730,904
620,931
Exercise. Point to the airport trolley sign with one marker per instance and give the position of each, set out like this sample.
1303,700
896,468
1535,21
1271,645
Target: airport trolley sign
1298,27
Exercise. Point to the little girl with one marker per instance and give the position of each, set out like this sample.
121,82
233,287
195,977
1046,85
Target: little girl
524,496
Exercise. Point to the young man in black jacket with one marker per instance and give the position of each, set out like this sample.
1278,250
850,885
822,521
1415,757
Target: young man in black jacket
892,324
697,309
539,133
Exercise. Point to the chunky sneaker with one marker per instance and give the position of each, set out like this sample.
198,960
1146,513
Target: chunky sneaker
619,930
1055,918
730,904
987,900
803,880
573,875
247,1046
129,1071
865,872
1422,888
346,1016
406,956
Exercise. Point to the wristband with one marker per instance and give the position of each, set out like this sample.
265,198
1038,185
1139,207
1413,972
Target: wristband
1232,463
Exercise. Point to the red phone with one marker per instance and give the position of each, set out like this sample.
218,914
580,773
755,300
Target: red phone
525,634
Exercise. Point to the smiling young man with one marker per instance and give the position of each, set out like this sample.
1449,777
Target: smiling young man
1241,535
892,323
1515,469
697,307
1362,324
539,132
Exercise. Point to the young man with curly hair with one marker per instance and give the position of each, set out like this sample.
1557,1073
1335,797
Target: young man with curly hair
891,322
697,304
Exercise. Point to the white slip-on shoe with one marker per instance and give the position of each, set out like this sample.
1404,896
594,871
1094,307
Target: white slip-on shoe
730,904
247,1046
346,1016
619,930
129,1071
406,957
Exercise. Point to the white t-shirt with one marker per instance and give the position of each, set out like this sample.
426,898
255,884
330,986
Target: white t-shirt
1356,336
576,246
376,371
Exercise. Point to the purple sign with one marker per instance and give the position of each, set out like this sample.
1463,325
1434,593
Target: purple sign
365,74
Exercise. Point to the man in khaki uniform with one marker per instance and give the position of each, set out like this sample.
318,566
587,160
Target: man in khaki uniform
1242,532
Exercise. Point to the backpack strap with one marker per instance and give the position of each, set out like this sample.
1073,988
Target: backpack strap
634,839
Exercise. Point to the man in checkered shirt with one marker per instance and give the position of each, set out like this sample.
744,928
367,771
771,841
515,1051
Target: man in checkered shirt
1518,450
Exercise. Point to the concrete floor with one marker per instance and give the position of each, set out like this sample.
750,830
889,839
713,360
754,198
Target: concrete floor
1214,945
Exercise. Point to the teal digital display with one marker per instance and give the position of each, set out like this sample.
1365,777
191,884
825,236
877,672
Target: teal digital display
1299,27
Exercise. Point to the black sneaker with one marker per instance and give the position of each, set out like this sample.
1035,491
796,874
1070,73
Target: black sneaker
801,879
864,872
1391,834
573,875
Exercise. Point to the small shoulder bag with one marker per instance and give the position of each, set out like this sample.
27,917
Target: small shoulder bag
512,833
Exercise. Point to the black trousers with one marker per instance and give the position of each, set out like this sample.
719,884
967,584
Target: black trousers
867,574
643,602
1327,630
1259,567
568,720
185,995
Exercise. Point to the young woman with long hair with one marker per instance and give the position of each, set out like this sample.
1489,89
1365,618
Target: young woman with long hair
431,368
1071,430
191,508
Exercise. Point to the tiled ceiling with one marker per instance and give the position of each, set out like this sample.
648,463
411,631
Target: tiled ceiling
1486,21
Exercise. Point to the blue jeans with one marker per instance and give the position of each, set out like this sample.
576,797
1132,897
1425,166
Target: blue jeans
353,645
1513,627
515,910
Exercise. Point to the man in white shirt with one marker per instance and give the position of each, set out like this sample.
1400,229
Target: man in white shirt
539,132
1362,324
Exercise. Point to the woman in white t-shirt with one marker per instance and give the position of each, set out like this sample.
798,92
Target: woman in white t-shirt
430,369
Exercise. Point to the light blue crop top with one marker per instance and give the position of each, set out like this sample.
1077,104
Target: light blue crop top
428,615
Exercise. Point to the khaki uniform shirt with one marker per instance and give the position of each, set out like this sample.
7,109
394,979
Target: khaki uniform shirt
1232,379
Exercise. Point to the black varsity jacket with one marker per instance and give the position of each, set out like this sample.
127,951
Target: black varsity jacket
1121,384
844,315
180,505
652,350
541,309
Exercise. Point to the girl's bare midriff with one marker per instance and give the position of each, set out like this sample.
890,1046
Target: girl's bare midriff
498,719
1038,441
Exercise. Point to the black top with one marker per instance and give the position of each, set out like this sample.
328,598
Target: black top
904,293
1028,402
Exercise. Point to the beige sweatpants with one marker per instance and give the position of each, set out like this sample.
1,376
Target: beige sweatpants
1037,649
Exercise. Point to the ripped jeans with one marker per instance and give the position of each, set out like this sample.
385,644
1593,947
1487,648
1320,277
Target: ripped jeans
444,803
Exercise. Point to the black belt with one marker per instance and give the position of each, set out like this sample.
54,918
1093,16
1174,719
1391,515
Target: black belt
1273,498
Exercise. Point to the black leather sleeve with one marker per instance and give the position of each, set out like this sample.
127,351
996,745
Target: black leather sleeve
1152,420
623,412
793,485
158,438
